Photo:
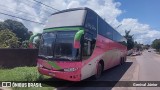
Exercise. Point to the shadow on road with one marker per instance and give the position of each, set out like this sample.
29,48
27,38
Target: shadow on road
110,75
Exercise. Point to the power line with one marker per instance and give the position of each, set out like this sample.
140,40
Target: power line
16,10
33,7
21,18
12,12
37,7
17,13
46,5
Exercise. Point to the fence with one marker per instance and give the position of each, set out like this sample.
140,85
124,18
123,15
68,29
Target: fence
10,58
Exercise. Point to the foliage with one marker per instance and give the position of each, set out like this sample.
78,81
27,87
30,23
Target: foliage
156,44
37,42
138,46
146,47
21,74
2,26
25,44
16,27
130,41
8,39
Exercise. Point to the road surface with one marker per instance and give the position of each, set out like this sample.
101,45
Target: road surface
149,68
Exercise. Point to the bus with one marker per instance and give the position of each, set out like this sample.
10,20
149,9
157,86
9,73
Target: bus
77,44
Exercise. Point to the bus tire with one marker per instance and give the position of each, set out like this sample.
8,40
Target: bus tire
125,58
122,61
98,71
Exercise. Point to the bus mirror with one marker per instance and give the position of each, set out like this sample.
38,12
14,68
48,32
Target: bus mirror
77,38
76,44
32,38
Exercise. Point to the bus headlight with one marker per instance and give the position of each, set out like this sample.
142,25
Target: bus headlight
39,65
70,69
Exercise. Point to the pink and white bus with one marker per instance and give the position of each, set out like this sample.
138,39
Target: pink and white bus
77,44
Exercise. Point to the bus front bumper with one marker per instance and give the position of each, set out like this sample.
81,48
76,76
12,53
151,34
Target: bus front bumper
70,76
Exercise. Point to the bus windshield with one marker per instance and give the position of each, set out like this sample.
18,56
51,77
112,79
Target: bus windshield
58,46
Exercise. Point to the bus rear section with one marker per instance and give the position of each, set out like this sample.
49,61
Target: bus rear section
76,44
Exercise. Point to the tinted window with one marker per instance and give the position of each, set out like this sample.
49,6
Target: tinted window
91,21
64,46
109,32
46,44
118,38
104,29
58,46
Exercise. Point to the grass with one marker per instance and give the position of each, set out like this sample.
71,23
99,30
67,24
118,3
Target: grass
23,74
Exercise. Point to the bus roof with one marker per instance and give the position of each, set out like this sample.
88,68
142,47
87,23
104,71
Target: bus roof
83,17
73,9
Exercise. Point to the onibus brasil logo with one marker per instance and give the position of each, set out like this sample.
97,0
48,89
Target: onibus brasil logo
21,84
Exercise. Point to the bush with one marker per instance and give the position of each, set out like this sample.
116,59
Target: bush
8,39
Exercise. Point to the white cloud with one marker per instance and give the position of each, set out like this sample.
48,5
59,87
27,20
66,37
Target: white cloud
1,20
108,9
73,4
37,30
143,33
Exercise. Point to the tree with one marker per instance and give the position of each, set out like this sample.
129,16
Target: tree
37,43
16,27
146,47
2,26
8,39
156,44
130,41
138,46
25,44
30,33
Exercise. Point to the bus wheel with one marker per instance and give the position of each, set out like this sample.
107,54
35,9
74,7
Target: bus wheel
125,58
99,71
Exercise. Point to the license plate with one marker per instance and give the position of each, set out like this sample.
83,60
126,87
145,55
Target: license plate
52,74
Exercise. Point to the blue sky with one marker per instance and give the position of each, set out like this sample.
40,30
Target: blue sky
146,11
142,17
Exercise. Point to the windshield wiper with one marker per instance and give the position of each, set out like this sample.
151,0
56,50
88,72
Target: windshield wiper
46,57
65,57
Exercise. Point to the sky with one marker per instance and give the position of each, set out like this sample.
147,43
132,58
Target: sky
139,16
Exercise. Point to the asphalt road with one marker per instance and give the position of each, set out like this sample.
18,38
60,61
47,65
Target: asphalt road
149,68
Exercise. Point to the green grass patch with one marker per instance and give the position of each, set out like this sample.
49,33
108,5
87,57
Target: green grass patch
21,74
